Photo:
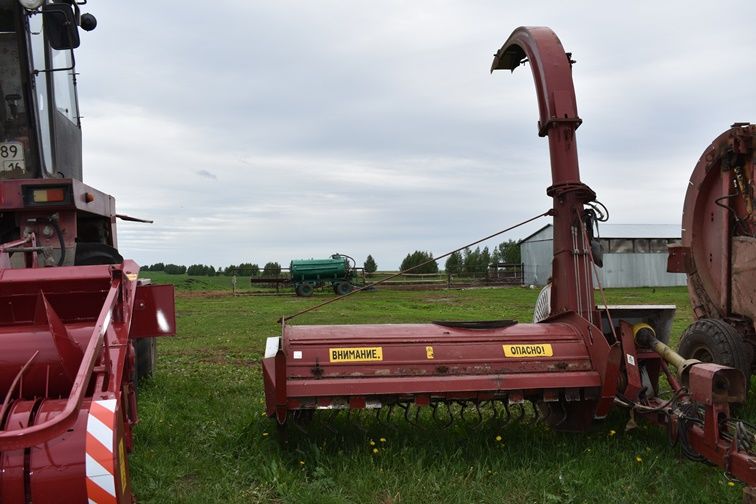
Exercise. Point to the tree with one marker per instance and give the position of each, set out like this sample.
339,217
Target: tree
175,269
419,257
244,269
509,251
369,265
156,267
200,270
453,265
496,256
470,261
271,269
484,260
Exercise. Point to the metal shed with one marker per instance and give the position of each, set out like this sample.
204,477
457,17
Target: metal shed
635,255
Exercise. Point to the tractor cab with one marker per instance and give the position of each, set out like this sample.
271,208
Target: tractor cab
48,217
41,130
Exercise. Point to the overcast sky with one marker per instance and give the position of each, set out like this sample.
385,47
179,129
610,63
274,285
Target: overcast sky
269,131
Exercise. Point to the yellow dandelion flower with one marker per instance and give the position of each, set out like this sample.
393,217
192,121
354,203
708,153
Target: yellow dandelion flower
383,440
730,484
612,433
301,462
372,443
498,439
375,450
265,434
638,459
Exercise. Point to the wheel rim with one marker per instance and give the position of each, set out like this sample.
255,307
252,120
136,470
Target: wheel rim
703,354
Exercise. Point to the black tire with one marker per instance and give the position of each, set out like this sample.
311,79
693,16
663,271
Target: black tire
304,290
714,340
145,354
89,254
343,288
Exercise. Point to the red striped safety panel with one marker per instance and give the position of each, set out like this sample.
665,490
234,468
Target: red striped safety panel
100,457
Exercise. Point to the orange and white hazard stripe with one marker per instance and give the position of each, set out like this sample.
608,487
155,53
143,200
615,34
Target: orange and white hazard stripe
100,457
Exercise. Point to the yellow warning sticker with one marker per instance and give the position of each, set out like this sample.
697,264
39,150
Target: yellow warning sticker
536,350
429,352
360,354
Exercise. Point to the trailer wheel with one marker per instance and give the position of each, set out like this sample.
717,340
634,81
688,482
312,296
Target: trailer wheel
145,353
304,290
342,288
714,340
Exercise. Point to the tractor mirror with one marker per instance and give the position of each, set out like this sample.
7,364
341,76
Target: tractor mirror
60,26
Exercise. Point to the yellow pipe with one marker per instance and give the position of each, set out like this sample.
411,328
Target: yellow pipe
645,335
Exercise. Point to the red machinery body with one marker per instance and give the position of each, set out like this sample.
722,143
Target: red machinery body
77,326
574,365
66,377
564,360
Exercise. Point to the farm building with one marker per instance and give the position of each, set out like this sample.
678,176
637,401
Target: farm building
635,255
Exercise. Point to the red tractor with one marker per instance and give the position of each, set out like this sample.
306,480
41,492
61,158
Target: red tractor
575,365
77,326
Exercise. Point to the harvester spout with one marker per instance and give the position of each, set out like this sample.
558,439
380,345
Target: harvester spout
572,286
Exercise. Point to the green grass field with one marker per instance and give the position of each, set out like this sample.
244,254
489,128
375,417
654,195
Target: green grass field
203,436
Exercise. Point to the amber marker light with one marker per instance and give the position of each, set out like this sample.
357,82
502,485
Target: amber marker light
48,195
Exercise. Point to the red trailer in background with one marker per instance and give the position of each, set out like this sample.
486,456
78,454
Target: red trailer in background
77,326
574,366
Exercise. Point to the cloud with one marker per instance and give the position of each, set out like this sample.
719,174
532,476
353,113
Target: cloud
375,128
206,174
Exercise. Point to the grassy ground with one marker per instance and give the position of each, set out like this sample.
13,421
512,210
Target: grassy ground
204,438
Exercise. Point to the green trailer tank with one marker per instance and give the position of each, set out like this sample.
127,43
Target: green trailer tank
307,274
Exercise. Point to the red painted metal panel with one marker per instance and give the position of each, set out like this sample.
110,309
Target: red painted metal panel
57,467
441,384
154,312
430,349
12,469
11,197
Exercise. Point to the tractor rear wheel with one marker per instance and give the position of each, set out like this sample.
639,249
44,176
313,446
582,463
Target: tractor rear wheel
89,254
714,340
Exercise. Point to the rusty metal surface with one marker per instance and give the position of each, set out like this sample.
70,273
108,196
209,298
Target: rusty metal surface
744,276
717,221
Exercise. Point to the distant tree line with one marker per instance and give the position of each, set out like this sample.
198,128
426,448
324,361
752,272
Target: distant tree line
471,262
466,262
270,269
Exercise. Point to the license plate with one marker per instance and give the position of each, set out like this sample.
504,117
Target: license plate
12,156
